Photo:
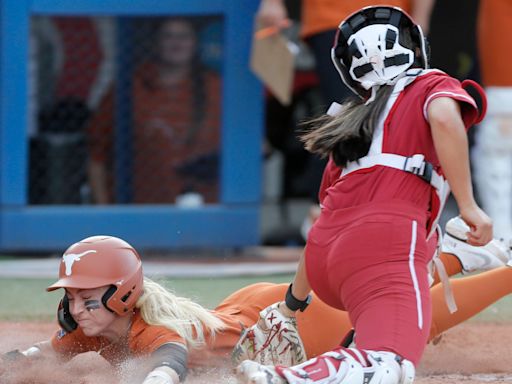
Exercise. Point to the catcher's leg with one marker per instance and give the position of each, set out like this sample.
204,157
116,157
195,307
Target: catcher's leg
343,366
472,294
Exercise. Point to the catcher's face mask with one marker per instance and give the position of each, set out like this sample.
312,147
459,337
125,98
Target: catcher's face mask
375,46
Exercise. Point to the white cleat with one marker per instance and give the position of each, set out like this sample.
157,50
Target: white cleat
492,255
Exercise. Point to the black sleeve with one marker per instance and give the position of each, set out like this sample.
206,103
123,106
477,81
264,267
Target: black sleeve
173,356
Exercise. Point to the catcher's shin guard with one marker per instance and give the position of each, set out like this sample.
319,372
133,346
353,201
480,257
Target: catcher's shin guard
492,255
341,366
274,340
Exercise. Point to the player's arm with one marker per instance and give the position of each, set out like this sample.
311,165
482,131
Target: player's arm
14,356
299,291
169,363
272,13
421,12
36,350
451,144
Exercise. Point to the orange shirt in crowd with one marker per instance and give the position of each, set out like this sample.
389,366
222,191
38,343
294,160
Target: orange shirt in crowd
323,15
494,41
169,145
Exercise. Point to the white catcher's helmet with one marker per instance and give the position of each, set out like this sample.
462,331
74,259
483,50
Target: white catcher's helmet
375,46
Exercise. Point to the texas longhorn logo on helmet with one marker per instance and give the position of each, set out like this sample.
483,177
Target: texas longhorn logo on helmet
70,259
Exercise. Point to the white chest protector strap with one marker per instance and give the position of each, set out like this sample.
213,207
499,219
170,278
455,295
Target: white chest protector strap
416,165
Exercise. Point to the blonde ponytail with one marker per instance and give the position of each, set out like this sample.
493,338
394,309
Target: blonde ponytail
159,306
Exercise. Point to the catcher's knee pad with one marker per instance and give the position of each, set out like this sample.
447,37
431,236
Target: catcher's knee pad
274,340
351,366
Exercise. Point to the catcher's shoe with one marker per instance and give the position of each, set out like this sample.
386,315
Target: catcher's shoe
341,366
273,340
492,255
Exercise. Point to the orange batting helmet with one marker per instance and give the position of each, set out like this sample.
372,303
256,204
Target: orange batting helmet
99,261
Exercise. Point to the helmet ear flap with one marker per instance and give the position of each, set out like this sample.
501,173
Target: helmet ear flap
107,295
64,317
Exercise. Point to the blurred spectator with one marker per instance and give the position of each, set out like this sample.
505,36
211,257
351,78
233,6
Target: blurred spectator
69,70
175,109
492,154
319,23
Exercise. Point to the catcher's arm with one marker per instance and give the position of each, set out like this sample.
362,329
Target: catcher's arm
298,295
169,365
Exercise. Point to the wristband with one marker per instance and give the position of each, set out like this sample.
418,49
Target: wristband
293,303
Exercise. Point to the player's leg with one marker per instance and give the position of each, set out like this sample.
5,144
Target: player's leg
472,295
247,303
493,255
458,256
388,303
342,365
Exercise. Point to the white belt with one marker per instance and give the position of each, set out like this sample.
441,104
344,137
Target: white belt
415,164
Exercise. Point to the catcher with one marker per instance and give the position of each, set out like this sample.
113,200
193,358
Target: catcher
110,308
395,151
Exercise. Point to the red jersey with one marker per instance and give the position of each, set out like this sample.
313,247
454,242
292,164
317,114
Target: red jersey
405,131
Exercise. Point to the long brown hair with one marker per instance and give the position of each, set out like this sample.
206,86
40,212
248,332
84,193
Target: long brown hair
347,136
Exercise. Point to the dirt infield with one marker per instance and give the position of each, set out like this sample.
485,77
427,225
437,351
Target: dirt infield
472,353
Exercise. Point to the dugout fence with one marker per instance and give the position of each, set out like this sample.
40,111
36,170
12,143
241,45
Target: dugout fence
99,134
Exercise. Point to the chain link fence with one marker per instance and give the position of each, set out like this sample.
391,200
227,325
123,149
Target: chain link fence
125,110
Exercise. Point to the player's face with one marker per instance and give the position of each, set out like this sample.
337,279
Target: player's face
177,43
88,311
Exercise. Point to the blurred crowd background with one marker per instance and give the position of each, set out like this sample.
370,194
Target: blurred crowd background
151,132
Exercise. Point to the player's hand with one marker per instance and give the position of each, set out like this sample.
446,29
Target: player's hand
273,340
9,358
479,223
272,13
